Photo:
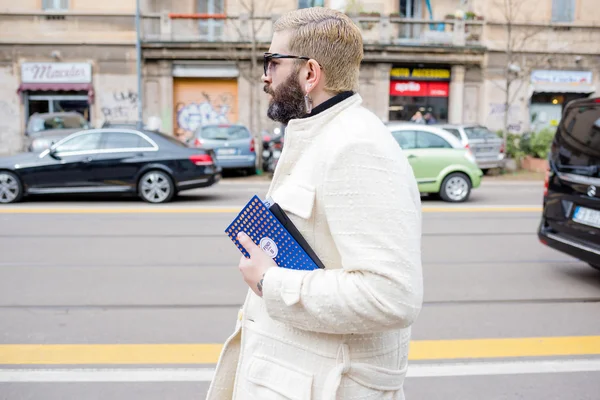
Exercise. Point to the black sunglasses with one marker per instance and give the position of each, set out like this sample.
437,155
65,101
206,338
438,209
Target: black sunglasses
269,56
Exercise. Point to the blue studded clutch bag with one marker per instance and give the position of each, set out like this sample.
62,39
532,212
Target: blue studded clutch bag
258,222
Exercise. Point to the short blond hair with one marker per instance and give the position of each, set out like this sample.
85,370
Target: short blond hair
329,37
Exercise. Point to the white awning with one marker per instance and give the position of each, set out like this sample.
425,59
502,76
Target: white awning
206,70
563,88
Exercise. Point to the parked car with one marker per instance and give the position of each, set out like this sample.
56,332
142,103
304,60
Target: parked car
44,129
441,164
571,217
272,149
123,124
233,145
487,147
152,165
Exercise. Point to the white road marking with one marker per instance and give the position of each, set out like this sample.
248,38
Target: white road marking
415,370
192,208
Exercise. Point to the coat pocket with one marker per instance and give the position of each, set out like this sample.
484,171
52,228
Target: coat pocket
296,198
367,382
271,379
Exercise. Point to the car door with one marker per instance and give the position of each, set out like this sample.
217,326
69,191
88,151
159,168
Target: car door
122,155
431,156
66,167
407,139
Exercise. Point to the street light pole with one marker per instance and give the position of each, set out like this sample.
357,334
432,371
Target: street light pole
138,48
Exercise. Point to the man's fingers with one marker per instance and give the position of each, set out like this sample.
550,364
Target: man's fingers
246,242
244,262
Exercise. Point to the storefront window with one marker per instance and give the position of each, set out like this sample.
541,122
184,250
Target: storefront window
421,90
53,103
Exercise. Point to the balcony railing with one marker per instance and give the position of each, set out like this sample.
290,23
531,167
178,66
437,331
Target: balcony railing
375,29
167,27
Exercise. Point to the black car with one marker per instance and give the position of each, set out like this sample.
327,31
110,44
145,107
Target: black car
571,216
151,164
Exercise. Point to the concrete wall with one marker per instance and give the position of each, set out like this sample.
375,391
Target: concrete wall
116,98
374,88
10,111
158,93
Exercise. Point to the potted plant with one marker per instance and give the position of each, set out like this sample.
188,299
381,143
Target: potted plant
473,37
368,25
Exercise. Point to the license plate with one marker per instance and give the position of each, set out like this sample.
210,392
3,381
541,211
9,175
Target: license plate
587,217
225,152
483,149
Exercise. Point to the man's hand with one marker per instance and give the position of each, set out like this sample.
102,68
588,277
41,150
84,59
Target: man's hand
254,268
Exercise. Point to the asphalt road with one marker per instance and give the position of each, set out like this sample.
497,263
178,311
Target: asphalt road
89,274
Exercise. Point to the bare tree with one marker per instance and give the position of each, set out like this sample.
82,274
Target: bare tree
256,14
518,37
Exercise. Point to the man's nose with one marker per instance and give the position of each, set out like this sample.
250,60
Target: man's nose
265,79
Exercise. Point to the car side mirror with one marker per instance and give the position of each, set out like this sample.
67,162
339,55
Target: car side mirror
52,152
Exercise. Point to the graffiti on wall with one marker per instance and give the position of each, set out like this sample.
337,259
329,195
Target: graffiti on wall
495,117
119,105
211,109
203,101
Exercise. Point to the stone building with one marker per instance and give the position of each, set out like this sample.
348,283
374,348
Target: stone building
449,57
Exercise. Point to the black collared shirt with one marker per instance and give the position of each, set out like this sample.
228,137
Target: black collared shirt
338,98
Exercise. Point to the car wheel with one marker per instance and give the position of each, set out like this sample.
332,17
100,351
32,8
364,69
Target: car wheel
11,189
156,187
456,188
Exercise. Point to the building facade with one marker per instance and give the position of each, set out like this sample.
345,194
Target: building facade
461,60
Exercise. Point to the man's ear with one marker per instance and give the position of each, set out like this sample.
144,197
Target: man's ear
313,75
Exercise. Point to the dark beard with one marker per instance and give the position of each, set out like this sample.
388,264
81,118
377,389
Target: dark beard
287,101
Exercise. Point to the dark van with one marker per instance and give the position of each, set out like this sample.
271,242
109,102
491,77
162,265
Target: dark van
571,216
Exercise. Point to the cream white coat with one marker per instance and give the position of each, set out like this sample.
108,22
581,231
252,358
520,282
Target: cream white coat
342,332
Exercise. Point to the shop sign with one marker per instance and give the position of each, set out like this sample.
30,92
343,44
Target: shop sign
56,73
569,77
419,89
420,73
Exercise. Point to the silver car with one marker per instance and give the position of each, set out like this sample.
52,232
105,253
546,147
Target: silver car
487,147
232,143
45,129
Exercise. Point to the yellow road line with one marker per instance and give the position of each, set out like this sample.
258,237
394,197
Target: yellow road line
79,354
230,210
118,210
499,348
110,354
481,209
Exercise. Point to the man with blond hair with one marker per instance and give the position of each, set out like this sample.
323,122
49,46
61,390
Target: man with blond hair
341,332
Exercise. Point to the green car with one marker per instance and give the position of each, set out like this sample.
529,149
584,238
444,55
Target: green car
441,163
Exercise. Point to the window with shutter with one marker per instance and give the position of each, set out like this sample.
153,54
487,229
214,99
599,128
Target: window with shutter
55,5
310,3
211,29
563,10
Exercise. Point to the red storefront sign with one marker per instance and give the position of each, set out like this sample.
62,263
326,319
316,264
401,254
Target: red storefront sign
419,88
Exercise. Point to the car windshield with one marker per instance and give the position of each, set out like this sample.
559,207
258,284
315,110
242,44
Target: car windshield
479,132
224,132
39,124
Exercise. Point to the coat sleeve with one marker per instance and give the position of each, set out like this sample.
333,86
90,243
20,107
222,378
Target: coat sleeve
373,212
